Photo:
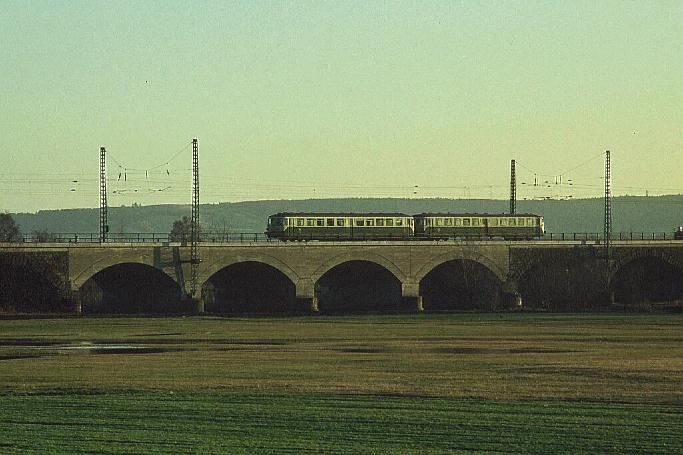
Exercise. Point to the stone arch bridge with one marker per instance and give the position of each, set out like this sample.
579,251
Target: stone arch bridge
304,264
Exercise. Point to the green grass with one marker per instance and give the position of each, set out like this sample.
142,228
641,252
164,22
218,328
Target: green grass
401,384
147,422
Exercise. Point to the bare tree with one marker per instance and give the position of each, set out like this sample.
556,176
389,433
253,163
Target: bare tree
43,236
9,231
181,230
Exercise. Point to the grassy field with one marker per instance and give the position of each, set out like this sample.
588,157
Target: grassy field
402,384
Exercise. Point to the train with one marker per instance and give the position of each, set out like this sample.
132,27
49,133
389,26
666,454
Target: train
303,226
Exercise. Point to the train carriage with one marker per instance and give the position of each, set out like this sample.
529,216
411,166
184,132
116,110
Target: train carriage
478,225
340,226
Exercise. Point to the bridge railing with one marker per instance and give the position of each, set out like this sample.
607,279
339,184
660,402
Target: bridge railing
144,237
259,237
598,236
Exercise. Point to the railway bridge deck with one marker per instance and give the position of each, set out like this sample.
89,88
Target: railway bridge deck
306,272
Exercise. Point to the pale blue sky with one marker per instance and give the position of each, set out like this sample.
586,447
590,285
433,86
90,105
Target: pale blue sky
326,99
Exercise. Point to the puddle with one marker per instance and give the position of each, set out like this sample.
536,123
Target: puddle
112,348
364,350
27,342
201,341
132,350
473,351
470,351
18,357
541,351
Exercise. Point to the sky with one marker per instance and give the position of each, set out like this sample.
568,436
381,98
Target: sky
313,99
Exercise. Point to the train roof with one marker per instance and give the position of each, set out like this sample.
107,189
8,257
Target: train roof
395,214
431,214
341,214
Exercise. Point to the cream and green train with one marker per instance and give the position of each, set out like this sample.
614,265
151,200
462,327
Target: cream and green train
399,226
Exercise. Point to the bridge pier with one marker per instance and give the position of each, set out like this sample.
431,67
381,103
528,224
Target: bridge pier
198,305
75,301
308,303
411,296
306,297
511,296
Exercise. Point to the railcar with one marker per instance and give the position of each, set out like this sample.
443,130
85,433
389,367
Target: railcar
478,225
340,226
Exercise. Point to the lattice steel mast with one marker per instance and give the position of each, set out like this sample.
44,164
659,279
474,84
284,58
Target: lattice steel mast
194,255
513,188
104,226
607,234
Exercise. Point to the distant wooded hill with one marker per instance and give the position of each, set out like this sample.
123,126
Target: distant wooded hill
630,214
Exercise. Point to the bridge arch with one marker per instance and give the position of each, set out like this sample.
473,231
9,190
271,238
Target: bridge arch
362,257
460,284
260,284
644,277
635,255
131,288
33,282
220,264
107,261
460,256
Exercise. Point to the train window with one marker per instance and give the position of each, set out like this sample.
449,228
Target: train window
475,221
503,222
493,221
330,221
370,222
309,221
320,222
465,221
360,222
448,221
340,221
512,222
379,222
530,222
399,221
520,222
299,221
389,221
439,221
458,222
